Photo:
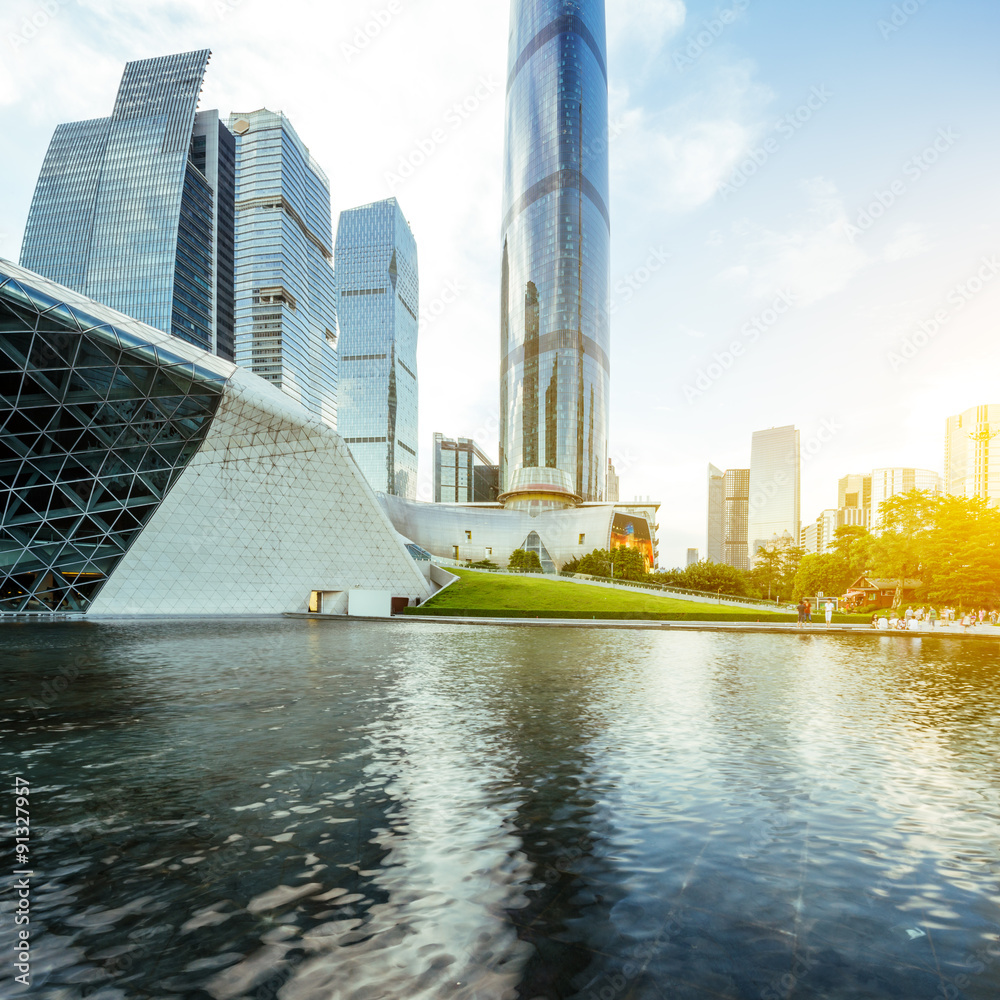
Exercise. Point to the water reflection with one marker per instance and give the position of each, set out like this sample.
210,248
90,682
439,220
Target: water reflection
312,810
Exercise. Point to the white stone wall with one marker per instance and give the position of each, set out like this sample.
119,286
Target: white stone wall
271,508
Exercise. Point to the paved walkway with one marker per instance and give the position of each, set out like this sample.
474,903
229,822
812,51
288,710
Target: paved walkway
984,633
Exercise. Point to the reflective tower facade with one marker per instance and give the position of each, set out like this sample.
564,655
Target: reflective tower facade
554,323
286,313
972,454
136,210
375,261
773,505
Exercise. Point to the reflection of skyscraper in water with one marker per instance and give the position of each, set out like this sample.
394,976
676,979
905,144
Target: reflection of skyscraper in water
554,324
378,304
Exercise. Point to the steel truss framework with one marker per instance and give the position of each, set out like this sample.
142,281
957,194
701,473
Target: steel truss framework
95,427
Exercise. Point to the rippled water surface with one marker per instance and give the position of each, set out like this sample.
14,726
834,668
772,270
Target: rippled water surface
325,810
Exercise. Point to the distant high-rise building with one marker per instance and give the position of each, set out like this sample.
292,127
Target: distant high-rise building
377,305
728,503
456,465
286,313
774,505
854,491
887,483
972,454
486,483
854,516
614,485
136,210
817,537
716,532
692,557
735,518
555,272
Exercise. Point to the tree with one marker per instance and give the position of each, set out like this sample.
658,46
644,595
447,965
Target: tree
621,564
597,563
717,577
961,553
790,559
853,542
524,562
767,569
628,564
822,574
897,551
669,578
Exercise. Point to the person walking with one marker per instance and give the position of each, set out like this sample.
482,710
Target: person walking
829,611
933,616
801,608
809,613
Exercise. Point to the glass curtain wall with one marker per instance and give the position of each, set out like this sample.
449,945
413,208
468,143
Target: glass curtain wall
286,312
554,323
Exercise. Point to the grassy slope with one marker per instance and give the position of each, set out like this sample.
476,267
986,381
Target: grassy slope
498,595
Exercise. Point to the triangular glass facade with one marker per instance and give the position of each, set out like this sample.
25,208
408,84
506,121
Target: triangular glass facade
95,427
533,543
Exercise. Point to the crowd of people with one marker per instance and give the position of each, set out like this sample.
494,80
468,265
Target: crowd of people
925,617
911,618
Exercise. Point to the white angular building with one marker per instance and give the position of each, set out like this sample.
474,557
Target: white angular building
142,475
474,532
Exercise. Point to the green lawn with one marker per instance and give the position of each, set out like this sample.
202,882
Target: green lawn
496,595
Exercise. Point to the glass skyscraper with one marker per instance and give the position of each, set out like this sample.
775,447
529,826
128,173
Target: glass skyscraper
286,313
136,210
728,516
462,472
773,511
378,304
555,278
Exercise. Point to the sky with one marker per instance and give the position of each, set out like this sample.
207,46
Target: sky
803,199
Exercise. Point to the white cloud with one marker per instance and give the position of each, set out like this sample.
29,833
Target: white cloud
680,156
815,259
646,24
909,241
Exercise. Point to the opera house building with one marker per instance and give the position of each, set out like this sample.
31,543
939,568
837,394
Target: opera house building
141,475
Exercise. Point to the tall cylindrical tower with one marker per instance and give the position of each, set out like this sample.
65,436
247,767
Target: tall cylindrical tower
554,324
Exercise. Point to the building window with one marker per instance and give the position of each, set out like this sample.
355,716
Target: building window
468,536
583,538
